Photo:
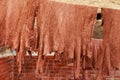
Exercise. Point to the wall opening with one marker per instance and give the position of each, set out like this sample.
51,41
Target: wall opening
98,29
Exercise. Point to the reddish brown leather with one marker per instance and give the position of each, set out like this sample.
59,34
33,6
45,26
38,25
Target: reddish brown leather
111,38
19,26
3,11
66,29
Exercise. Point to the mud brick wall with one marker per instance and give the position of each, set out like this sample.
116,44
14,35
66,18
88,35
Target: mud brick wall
28,72
56,70
6,68
53,70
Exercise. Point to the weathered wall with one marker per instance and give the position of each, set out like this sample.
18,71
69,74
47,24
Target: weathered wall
28,72
98,30
53,70
6,68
